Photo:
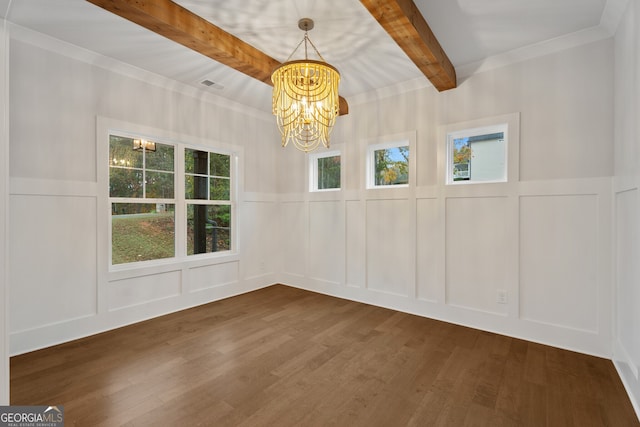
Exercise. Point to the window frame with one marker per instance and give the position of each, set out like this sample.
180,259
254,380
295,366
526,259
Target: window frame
513,153
470,132
313,170
211,202
108,127
142,200
405,140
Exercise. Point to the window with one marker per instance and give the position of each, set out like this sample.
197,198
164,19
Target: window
162,208
208,194
325,171
477,155
142,198
388,165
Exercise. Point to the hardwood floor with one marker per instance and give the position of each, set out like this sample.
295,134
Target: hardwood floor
287,357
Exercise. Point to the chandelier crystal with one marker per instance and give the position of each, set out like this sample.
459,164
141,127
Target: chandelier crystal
305,98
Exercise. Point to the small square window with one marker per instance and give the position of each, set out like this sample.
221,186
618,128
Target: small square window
477,155
325,171
388,165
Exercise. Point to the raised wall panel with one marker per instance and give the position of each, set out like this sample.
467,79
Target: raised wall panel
355,244
53,260
429,246
141,290
477,248
293,245
558,260
326,241
390,249
259,238
213,276
627,275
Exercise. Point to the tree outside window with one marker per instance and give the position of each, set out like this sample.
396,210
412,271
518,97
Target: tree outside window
208,194
461,159
142,198
391,166
478,155
325,171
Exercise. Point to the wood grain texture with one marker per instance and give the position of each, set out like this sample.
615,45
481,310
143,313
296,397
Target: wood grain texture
288,357
406,25
179,24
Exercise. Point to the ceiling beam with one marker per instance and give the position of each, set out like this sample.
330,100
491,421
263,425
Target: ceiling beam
176,23
406,25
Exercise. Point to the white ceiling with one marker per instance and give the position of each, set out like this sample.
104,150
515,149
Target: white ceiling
470,31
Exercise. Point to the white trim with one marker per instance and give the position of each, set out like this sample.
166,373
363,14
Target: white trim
622,356
407,139
4,215
612,15
532,51
106,127
629,387
485,130
313,170
512,160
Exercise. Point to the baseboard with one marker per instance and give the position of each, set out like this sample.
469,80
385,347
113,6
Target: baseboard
631,385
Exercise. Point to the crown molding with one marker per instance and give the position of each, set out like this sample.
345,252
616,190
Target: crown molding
612,15
536,50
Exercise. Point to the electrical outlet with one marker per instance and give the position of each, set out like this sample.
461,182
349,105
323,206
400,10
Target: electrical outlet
502,296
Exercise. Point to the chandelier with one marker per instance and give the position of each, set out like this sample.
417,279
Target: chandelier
139,144
305,97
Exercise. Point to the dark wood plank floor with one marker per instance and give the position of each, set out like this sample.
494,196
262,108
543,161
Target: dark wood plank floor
287,357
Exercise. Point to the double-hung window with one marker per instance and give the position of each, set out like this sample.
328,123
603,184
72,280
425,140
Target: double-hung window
164,207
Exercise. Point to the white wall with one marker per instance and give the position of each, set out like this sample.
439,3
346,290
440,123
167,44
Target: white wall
4,220
60,106
446,251
544,237
626,192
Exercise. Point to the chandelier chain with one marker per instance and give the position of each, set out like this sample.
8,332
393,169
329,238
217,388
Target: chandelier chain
306,37
306,56
295,50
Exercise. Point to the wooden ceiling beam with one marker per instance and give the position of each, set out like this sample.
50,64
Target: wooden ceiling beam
176,23
406,25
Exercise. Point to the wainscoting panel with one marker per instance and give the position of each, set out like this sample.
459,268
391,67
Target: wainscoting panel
627,274
429,250
389,246
477,246
326,241
559,260
53,259
212,276
294,237
259,235
142,290
355,244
